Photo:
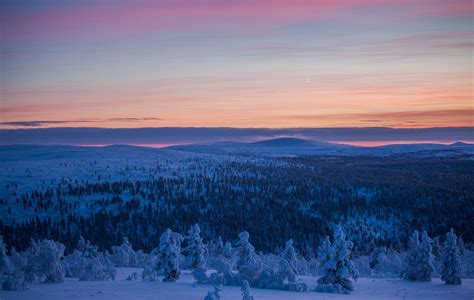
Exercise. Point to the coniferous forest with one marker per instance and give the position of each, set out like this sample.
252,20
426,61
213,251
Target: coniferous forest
379,201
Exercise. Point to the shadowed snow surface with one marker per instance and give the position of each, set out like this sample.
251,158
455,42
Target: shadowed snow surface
365,288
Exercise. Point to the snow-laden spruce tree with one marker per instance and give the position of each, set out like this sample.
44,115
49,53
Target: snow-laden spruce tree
411,265
44,261
419,265
383,262
285,277
323,252
338,269
427,267
88,264
223,264
16,279
41,262
75,262
151,266
248,263
169,252
450,260
287,266
195,250
124,255
98,268
245,289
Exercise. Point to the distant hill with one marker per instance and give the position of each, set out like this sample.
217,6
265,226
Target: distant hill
279,147
289,142
290,146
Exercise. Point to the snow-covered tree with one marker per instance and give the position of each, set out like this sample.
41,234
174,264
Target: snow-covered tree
124,255
248,263
150,270
287,266
324,252
419,265
382,263
223,265
88,264
411,271
169,251
195,251
98,268
86,248
214,295
450,260
427,258
285,276
75,262
338,269
13,268
41,262
44,261
245,289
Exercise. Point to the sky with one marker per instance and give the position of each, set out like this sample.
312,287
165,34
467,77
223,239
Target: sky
236,63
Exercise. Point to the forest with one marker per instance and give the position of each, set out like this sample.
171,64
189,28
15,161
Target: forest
378,201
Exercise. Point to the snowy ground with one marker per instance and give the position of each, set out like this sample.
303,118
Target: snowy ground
365,288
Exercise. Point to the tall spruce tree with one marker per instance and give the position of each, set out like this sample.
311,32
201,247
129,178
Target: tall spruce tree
338,269
419,264
450,260
169,251
195,250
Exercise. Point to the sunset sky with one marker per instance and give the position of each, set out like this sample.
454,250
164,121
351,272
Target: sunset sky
236,63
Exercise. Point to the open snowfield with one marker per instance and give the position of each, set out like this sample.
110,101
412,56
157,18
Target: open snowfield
365,288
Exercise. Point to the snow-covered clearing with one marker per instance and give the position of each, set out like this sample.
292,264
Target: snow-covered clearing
365,288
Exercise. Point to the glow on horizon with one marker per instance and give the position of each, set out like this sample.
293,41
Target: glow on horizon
238,63
387,143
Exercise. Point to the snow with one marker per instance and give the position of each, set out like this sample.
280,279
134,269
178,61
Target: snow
184,288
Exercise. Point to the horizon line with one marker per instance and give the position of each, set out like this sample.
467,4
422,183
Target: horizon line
235,127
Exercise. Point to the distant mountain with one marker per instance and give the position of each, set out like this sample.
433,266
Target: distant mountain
285,146
290,142
289,146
